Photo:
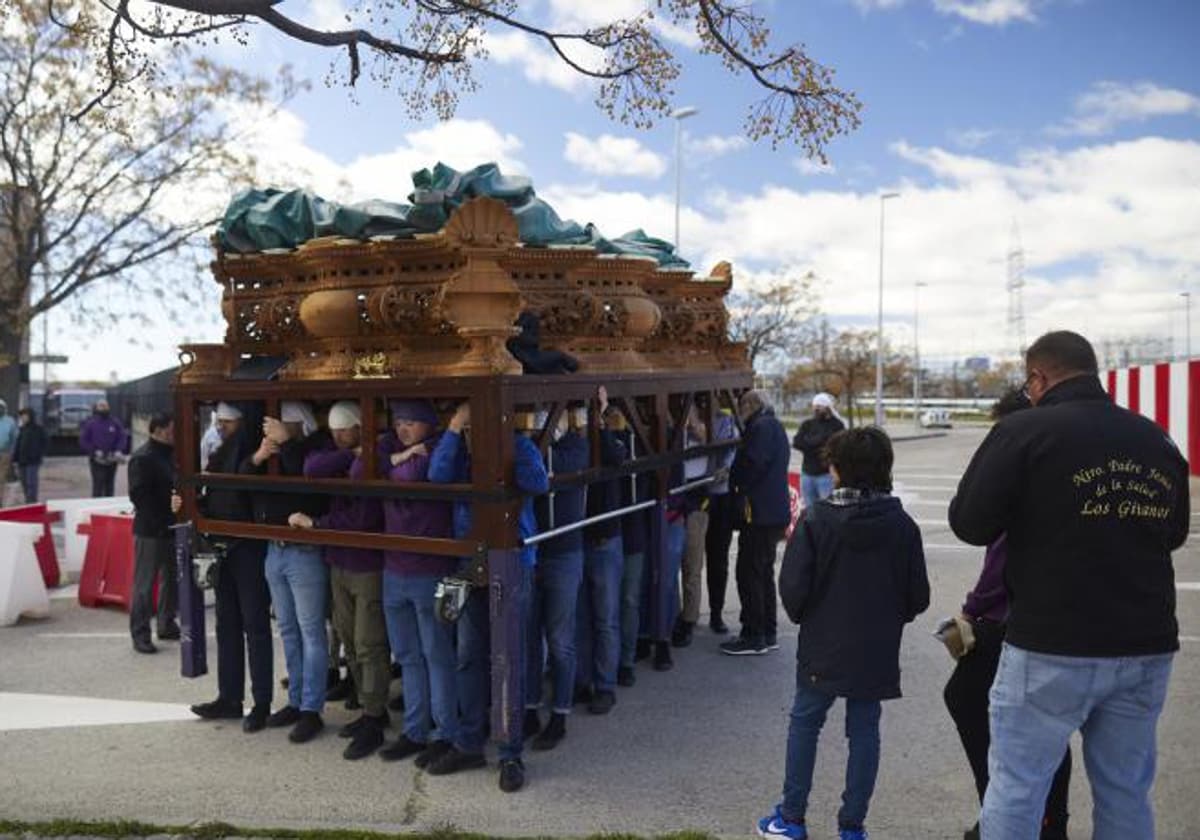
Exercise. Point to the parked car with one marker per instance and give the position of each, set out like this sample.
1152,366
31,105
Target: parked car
936,418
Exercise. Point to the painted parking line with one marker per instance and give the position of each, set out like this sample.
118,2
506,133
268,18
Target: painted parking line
54,711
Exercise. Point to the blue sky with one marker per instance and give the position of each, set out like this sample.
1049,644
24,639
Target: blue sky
1075,119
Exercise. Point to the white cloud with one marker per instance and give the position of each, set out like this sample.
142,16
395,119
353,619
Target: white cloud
1109,104
971,138
327,14
808,166
876,5
539,63
988,12
714,145
613,156
577,15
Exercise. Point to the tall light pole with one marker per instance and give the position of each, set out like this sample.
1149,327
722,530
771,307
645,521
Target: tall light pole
917,353
1187,297
679,115
879,325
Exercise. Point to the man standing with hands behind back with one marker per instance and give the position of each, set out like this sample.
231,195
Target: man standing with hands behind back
151,486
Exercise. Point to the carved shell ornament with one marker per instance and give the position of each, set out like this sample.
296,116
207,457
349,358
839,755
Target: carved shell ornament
483,223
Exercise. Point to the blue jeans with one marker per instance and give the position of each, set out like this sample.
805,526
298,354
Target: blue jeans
474,669
862,763
28,474
598,616
814,488
1037,701
423,645
631,606
299,584
668,590
555,596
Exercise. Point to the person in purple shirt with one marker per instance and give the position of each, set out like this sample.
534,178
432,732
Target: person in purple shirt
421,642
104,440
966,694
355,579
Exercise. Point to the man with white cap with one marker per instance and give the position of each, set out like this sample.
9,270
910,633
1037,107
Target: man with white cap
296,573
816,482
355,576
243,600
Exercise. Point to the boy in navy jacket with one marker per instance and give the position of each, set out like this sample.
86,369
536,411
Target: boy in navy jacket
853,575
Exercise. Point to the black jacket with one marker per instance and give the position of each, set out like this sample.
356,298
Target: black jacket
759,473
151,480
221,503
274,507
1093,499
30,448
853,575
811,438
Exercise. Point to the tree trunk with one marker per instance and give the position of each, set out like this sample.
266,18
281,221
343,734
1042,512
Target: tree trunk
10,364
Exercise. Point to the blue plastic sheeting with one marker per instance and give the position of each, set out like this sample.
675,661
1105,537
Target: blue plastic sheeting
262,219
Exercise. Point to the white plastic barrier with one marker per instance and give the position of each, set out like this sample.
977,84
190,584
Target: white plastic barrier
22,590
76,512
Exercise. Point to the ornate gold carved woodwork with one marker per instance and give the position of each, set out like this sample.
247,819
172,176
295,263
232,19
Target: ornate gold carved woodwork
204,362
415,308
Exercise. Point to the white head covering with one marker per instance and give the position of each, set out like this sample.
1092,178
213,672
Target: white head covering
345,414
227,412
824,400
295,411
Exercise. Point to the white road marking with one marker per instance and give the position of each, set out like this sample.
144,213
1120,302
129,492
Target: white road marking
952,547
932,523
54,711
951,477
927,502
1187,586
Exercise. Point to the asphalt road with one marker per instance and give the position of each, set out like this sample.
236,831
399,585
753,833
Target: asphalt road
700,747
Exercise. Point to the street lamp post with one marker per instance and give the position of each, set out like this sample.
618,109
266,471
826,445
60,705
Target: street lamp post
879,325
1187,297
917,353
679,115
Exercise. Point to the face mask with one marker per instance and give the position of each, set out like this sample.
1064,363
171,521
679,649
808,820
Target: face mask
102,413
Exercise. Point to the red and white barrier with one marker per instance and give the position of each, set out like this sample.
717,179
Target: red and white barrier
1169,394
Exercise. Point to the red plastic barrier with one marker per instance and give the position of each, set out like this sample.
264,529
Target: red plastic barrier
44,547
793,503
107,575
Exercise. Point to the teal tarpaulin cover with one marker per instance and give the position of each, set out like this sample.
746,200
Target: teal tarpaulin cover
262,219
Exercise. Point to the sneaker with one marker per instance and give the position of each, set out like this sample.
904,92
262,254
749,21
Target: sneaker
367,738
554,732
717,625
662,657
853,834
432,753
306,728
772,643
144,646
218,710
743,647
452,761
626,677
602,703
532,725
512,775
256,720
286,716
402,748
353,726
170,633
775,825
681,636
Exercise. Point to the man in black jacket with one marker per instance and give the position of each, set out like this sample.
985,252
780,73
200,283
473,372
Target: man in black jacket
758,478
151,485
1093,499
29,453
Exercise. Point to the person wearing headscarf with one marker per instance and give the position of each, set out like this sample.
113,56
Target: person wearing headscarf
816,483
296,574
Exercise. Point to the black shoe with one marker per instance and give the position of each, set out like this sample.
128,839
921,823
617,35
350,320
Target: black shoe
170,633
306,728
717,625
662,657
602,703
742,646
554,732
512,775
972,833
642,650
218,710
367,738
257,718
452,761
432,753
583,694
353,726
681,636
286,716
626,677
532,725
396,704
772,643
402,748
144,646
340,691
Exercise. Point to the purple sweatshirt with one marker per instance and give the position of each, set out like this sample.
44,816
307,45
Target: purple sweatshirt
414,517
989,599
102,434
346,513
